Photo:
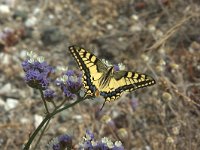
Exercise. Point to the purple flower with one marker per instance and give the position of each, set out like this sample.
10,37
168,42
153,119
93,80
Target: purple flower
49,94
42,67
26,65
118,148
101,146
37,80
88,145
116,68
70,73
60,143
89,134
134,102
119,67
70,83
104,144
74,81
67,92
56,147
65,141
37,73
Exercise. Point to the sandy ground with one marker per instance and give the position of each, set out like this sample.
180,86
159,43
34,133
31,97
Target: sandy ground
157,37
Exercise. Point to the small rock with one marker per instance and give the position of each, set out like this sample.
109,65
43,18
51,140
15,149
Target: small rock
62,130
109,26
63,117
4,9
36,11
23,54
10,3
51,16
78,118
135,28
5,58
135,17
37,120
2,103
5,89
30,22
159,34
11,103
24,120
195,46
51,36
151,28
20,14
1,141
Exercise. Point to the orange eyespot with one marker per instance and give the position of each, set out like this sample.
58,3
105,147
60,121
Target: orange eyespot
97,93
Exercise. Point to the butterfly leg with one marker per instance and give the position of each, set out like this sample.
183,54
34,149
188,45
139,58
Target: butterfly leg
103,105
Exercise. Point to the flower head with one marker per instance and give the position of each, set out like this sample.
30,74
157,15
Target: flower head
119,67
56,147
49,94
70,83
106,62
103,144
37,71
61,142
65,141
89,135
118,146
37,80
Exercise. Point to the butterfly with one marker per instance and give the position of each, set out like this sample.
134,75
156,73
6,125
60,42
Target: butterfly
100,79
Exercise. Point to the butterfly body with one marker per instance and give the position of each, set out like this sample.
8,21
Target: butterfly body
100,79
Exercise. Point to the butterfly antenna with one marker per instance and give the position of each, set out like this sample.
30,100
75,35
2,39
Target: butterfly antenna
103,105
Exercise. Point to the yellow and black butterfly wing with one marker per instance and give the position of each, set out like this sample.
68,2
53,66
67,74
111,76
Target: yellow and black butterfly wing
97,77
125,81
93,69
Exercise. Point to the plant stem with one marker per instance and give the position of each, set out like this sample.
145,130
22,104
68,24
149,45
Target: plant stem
47,118
27,146
43,99
42,133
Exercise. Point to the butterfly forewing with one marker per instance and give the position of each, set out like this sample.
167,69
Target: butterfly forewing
91,67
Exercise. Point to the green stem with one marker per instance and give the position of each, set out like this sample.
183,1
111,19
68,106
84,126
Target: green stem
48,117
44,101
27,146
42,133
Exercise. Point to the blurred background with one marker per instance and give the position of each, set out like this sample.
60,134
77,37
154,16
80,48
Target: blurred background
157,37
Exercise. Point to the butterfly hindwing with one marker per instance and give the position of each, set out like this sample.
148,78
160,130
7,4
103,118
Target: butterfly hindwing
130,81
91,67
126,81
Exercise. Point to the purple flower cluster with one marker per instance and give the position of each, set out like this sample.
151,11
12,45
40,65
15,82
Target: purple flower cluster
49,94
62,142
119,67
70,83
88,143
104,144
37,73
